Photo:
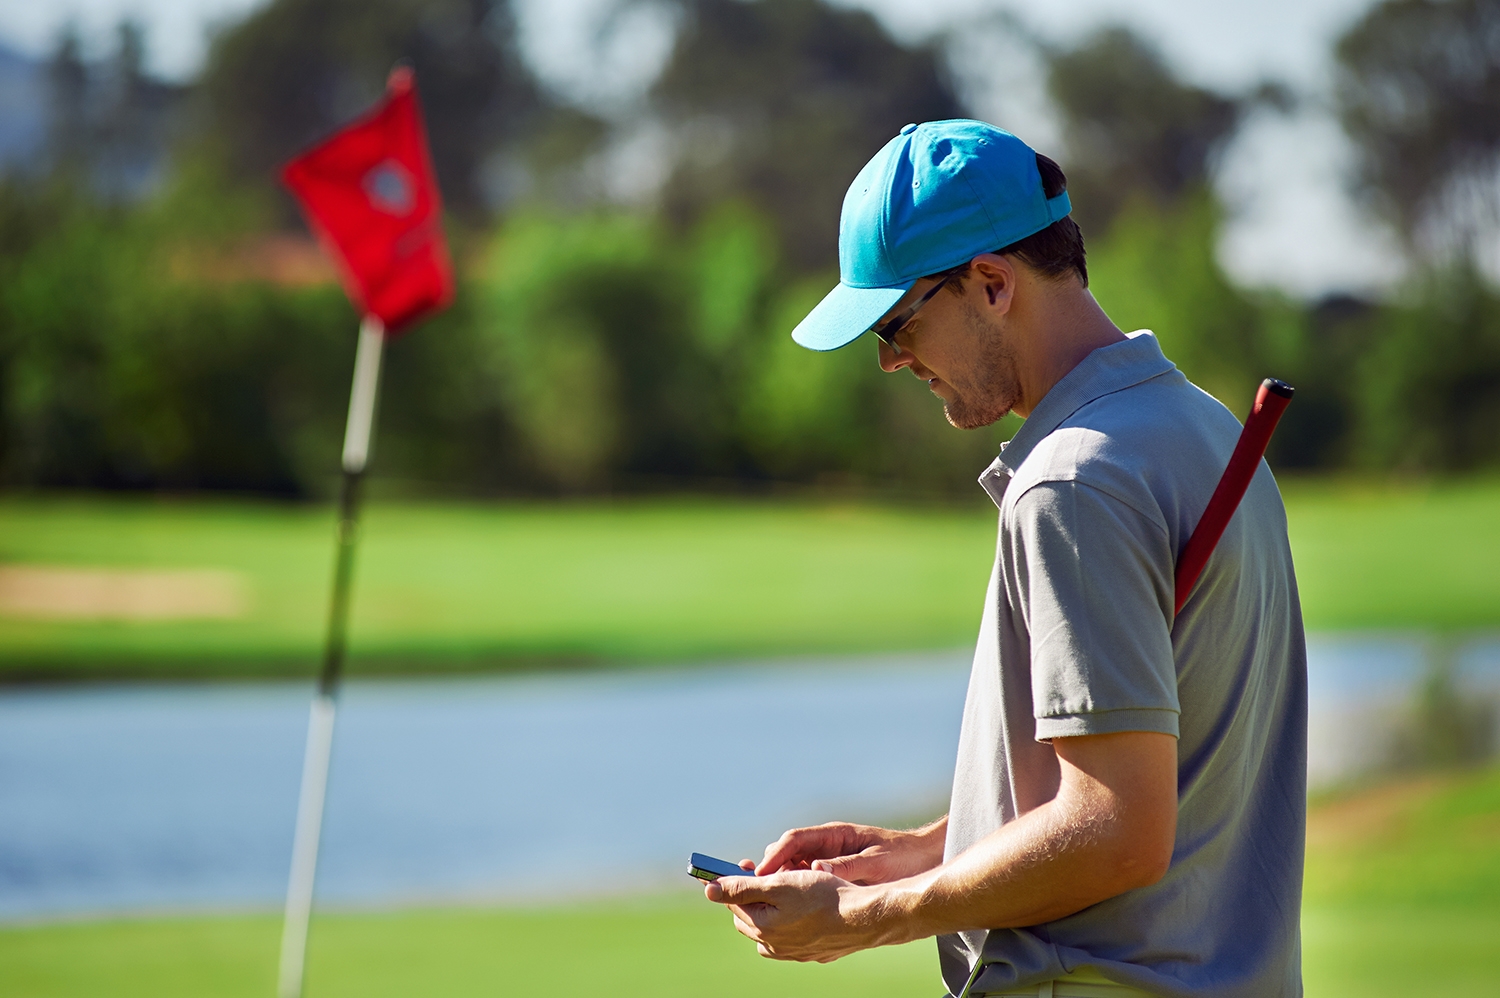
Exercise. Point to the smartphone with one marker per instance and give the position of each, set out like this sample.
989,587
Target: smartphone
707,868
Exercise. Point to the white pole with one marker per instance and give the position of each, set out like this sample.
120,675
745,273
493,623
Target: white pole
305,846
362,395
299,893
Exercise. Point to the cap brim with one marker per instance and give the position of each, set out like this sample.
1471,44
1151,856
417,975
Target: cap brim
843,314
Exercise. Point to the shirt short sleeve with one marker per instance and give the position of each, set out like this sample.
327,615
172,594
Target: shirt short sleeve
1094,581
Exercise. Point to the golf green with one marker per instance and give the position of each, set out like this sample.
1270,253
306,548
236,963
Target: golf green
1403,897
456,586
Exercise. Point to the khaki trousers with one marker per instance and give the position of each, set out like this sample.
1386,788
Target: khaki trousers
1079,984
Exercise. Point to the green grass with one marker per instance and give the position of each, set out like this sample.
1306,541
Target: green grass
460,586
1422,555
1403,897
652,950
1402,894
452,586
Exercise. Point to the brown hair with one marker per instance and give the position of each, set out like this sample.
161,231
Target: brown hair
1056,249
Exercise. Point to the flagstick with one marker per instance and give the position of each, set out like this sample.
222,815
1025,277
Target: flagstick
320,724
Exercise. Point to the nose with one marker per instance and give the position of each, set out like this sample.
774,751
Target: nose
890,360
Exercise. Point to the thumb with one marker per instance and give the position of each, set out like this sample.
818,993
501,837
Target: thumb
736,890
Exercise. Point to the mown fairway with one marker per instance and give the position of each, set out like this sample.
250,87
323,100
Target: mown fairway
444,586
1415,556
1403,897
455,586
1402,893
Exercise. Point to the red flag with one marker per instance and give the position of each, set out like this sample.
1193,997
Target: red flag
370,195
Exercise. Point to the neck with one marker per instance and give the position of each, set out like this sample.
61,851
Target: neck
1063,326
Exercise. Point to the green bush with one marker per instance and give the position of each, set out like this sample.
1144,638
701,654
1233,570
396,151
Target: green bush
627,354
1428,386
1156,269
117,374
586,330
608,351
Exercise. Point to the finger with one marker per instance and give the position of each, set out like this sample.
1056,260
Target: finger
857,869
806,844
759,913
718,891
801,845
751,922
745,928
747,865
778,853
740,890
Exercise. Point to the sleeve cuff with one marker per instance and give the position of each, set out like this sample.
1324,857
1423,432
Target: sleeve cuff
1107,722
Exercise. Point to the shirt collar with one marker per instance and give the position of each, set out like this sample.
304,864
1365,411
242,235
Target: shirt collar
1105,371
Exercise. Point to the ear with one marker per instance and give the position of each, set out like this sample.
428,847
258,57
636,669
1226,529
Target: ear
995,279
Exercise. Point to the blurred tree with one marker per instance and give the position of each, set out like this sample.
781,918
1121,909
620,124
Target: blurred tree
603,350
1328,340
295,69
591,338
1131,126
1141,146
135,119
1155,268
803,414
1419,93
1428,382
115,372
626,357
145,381
182,377
68,127
781,102
109,122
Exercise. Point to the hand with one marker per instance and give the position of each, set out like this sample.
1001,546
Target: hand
802,915
859,854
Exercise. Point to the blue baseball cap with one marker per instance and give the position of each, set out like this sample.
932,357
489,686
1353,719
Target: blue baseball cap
938,195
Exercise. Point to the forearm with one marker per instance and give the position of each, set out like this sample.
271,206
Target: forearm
1056,860
928,841
1110,828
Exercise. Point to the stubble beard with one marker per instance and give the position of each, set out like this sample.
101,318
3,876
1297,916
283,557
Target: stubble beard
994,388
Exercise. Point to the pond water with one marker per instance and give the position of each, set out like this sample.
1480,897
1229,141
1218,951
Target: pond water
138,798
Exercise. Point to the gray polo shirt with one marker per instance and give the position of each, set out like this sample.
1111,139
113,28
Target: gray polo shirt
1098,492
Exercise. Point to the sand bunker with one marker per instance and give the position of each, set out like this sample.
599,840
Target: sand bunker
40,592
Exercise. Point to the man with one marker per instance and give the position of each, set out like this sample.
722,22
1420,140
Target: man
1129,798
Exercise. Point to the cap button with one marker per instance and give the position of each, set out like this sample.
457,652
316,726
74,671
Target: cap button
908,129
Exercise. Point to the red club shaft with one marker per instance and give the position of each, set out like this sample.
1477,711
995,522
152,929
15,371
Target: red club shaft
1270,402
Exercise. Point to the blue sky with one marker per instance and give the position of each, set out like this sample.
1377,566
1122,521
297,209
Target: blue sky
1293,225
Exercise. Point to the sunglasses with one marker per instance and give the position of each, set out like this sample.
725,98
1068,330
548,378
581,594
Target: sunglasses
887,330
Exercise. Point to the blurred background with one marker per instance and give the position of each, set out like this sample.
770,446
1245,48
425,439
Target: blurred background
628,547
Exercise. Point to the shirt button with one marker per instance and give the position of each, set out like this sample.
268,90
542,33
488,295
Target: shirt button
908,129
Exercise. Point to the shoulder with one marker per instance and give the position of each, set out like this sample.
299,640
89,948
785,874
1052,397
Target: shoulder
1151,446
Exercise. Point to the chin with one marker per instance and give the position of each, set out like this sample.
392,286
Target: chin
966,417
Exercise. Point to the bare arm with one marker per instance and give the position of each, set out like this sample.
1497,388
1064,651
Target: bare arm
1110,829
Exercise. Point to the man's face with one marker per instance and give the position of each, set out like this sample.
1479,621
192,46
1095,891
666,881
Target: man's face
959,345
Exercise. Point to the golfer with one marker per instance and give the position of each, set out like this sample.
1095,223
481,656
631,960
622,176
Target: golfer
1129,798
